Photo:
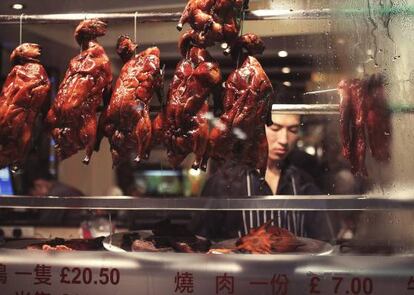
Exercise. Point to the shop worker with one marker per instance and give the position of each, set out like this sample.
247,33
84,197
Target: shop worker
281,177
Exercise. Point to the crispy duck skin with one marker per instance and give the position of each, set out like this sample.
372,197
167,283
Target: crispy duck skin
22,99
126,122
182,124
352,120
268,239
213,20
73,116
59,244
364,110
378,119
240,132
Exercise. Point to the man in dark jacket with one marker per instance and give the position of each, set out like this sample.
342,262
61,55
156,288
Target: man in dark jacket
282,177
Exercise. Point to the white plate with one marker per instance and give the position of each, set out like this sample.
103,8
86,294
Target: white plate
310,246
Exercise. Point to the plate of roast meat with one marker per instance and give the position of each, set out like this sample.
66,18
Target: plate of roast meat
270,239
59,244
164,237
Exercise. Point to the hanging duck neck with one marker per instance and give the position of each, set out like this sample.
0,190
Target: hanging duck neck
87,43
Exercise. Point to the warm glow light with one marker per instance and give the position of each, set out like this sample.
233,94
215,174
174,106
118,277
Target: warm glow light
194,172
17,6
310,150
271,12
287,83
282,53
285,70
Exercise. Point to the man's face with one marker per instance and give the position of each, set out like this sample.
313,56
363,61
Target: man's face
282,136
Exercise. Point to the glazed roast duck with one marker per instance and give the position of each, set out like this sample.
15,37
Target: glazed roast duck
23,97
182,125
72,118
126,122
364,110
239,133
213,20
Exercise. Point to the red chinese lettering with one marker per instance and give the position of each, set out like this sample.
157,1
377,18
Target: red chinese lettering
410,285
184,283
41,293
43,274
225,283
280,283
3,274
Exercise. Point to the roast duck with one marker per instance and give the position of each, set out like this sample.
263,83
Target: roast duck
182,124
266,239
364,110
240,132
213,20
126,122
73,116
59,244
23,97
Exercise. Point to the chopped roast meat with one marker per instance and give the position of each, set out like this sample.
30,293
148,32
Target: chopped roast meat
126,122
213,20
182,124
364,108
143,246
73,116
56,248
183,247
268,239
240,133
59,244
22,99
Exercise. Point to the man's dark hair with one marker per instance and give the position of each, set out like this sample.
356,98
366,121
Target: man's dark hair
283,95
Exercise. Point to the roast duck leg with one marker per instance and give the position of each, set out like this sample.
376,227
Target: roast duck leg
239,133
213,20
23,97
73,116
364,110
126,122
182,125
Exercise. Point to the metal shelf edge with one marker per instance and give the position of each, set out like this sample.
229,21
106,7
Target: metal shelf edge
322,202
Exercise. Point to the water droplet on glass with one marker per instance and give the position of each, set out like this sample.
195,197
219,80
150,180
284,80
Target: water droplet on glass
411,79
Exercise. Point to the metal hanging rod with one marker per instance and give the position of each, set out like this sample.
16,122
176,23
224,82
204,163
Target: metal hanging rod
306,109
326,109
333,90
144,17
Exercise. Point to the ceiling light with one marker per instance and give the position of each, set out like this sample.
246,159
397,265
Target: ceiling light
271,13
287,83
194,172
282,53
285,70
17,6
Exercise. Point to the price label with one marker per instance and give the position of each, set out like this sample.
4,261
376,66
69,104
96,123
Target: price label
342,285
77,276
